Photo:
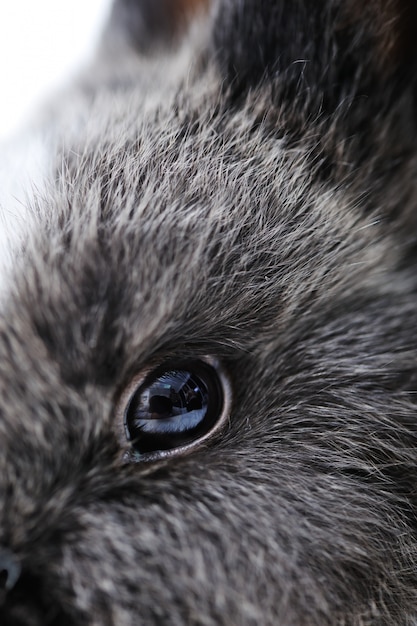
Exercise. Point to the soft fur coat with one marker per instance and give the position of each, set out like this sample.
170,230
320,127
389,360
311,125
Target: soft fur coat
234,181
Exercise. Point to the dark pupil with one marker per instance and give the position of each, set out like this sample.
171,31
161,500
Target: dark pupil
168,411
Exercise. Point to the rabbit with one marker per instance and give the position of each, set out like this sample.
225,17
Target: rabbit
208,340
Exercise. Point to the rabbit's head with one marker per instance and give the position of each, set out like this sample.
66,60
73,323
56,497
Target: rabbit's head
207,342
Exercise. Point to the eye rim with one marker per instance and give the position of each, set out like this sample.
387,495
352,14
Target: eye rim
149,374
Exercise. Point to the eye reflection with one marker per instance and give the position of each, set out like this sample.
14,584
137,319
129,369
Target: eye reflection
175,402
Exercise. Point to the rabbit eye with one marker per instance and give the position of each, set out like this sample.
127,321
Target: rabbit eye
176,406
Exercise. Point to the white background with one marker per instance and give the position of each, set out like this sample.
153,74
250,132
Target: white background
42,42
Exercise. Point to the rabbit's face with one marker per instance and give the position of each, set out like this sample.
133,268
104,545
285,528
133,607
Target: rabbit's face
207,352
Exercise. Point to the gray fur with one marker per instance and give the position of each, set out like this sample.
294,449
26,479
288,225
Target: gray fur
266,218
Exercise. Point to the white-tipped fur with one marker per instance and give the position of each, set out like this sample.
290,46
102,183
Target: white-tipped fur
25,165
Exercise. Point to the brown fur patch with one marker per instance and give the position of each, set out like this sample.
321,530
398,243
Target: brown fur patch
185,9
393,25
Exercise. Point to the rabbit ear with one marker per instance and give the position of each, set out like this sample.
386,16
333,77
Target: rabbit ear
334,48
392,25
149,22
